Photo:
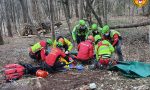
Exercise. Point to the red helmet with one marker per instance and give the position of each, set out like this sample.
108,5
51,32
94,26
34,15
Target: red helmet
90,37
61,40
41,73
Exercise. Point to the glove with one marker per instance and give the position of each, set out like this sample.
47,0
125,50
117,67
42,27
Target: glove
67,52
70,60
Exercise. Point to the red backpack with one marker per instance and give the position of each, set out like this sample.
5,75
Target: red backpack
13,72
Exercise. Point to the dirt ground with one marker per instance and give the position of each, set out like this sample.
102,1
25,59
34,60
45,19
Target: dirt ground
135,47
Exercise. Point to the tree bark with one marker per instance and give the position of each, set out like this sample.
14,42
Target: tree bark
67,19
148,11
98,18
76,8
88,13
81,3
1,37
52,19
149,32
68,9
8,21
25,11
1,19
105,11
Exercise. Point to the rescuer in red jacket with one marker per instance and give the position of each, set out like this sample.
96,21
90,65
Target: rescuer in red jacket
39,50
52,62
86,49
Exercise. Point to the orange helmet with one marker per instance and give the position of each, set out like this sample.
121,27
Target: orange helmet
90,37
61,40
41,73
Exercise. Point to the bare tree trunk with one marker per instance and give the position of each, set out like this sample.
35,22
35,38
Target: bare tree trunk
1,37
8,22
52,19
105,11
98,18
149,32
1,19
81,3
68,9
76,8
25,11
9,28
124,7
143,11
40,9
88,12
129,7
56,10
148,11
67,17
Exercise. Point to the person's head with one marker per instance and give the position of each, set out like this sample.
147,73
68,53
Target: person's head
82,23
105,30
91,38
94,27
49,42
61,39
59,45
97,38
82,26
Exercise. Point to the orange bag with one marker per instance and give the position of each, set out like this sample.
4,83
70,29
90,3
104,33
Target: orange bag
41,73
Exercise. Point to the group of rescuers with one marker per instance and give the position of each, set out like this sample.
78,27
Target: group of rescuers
94,43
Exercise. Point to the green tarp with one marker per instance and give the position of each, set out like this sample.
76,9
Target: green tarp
133,69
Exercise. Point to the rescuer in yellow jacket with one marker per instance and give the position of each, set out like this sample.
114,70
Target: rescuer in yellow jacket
67,45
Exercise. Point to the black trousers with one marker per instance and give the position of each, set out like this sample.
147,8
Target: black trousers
36,56
57,66
80,38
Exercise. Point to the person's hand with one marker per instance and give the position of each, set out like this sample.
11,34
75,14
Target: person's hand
67,52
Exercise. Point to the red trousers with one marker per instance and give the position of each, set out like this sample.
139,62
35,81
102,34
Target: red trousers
104,61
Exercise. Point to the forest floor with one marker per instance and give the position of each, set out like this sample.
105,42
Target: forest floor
135,47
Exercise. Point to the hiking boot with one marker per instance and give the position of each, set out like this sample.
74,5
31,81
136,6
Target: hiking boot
100,66
92,67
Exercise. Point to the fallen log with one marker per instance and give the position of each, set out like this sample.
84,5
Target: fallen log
131,25
30,36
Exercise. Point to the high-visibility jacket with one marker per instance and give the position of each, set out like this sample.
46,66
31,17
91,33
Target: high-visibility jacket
95,32
85,50
67,45
103,48
77,31
38,46
113,37
54,55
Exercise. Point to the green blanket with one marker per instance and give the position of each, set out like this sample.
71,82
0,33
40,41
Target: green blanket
133,69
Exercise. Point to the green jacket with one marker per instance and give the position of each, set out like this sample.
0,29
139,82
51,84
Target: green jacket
104,48
91,32
76,32
67,42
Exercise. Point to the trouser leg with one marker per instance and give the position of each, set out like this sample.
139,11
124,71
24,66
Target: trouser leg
119,51
80,39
